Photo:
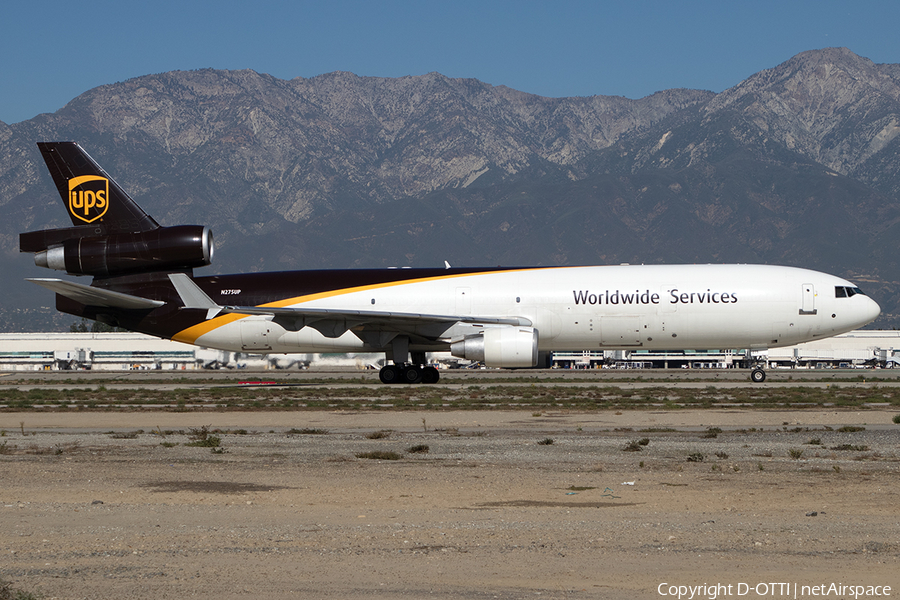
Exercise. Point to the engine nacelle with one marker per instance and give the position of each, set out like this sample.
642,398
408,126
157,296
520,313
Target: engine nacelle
161,249
505,347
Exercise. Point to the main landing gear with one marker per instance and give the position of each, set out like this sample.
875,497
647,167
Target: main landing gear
408,374
408,366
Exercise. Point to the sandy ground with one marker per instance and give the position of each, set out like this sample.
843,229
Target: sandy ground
90,508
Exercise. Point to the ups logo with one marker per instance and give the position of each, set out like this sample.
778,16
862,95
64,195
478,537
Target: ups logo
88,197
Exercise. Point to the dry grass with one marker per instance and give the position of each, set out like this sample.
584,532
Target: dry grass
380,455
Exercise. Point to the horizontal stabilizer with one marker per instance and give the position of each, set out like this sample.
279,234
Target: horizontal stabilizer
92,296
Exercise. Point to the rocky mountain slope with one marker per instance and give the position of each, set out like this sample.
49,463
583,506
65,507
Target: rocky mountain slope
796,165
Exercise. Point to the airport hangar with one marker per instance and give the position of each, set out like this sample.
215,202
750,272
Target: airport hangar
134,351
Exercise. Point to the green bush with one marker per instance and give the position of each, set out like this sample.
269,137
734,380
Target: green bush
210,441
7,592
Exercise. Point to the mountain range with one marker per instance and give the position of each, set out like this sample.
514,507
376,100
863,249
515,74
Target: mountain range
797,165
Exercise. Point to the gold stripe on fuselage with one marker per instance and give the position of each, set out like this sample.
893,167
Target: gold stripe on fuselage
191,334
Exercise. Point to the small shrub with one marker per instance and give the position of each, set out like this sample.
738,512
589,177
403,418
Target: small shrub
7,592
418,449
379,435
379,455
896,419
814,442
644,441
199,433
696,457
546,442
712,432
632,446
851,428
850,448
722,455
307,431
210,441
795,453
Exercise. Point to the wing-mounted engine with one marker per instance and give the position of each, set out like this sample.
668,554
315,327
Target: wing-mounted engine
505,347
86,251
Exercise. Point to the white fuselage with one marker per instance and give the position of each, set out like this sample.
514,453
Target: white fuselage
662,307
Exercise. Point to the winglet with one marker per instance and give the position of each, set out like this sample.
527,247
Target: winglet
192,296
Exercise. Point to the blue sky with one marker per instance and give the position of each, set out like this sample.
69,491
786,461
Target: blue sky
52,51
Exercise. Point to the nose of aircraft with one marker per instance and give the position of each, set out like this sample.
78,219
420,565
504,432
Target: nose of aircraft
869,311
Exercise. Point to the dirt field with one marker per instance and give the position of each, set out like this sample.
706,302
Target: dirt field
504,504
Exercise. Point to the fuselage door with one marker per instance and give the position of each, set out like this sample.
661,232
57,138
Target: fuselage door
808,303
463,301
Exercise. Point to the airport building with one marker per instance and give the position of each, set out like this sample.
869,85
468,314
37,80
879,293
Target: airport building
856,349
134,351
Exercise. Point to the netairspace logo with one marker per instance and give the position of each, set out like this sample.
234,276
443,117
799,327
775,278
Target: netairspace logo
772,590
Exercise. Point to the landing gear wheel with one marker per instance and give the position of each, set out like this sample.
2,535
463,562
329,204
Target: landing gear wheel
757,375
389,374
411,374
430,375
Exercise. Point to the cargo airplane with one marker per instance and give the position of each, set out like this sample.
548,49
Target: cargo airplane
508,317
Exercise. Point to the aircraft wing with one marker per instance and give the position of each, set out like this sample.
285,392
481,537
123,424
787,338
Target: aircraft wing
92,296
193,297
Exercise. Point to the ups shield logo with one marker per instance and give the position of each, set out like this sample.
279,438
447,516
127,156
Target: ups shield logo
88,197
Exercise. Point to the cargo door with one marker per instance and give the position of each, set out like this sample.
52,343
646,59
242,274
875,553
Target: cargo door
620,332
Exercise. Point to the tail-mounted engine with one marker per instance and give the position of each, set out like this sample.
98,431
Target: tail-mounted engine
81,251
504,347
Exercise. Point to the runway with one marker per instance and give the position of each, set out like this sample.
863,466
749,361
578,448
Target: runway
185,391
625,378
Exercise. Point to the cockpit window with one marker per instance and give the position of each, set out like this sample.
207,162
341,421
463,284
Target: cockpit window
846,292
